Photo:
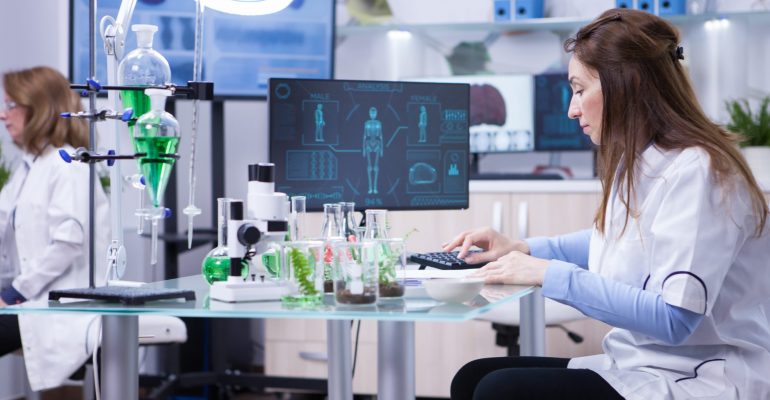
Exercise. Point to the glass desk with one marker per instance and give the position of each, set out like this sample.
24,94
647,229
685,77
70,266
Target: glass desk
395,325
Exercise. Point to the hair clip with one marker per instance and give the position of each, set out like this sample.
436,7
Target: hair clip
679,54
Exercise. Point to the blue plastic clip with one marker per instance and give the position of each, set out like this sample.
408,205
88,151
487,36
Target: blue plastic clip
141,179
65,156
84,93
65,114
127,114
167,212
94,84
110,162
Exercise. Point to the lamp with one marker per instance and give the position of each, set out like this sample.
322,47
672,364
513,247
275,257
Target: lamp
247,7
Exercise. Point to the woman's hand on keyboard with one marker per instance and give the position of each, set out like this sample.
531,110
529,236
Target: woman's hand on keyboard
514,268
494,244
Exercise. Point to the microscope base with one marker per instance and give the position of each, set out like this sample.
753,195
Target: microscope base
233,292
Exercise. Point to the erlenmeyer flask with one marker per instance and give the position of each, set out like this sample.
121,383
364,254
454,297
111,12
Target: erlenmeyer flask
142,66
376,224
332,224
216,264
348,220
157,137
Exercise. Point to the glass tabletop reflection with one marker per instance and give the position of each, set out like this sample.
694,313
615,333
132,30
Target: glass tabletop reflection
416,305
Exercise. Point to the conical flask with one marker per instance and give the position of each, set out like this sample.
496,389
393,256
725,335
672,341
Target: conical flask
142,66
216,264
157,137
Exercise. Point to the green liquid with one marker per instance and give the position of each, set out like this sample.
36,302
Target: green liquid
271,263
139,102
156,168
217,269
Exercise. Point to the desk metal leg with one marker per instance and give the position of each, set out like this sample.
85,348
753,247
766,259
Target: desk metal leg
340,359
532,324
120,364
395,360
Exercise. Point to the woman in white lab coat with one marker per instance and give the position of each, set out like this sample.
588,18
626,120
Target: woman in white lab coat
44,225
677,261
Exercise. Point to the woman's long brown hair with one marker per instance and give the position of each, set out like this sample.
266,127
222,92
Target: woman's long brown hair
648,98
46,93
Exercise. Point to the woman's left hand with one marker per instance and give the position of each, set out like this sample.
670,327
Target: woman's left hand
514,268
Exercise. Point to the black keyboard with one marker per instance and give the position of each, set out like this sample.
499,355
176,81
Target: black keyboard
443,260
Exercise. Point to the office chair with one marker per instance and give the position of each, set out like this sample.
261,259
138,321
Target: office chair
505,318
153,330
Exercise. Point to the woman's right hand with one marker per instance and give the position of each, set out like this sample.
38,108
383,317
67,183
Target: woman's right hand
494,244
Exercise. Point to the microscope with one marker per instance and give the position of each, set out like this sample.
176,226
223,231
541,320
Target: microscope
265,222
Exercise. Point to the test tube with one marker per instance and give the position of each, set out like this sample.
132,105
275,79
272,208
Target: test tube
297,218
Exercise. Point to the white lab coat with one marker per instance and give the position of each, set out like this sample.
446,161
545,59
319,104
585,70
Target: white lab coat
52,205
693,243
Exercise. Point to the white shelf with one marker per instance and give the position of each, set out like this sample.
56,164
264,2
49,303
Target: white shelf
562,24
535,186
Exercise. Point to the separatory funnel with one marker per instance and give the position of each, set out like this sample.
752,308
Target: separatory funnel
143,66
156,139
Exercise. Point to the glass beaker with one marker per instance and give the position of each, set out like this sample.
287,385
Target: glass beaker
298,218
355,273
302,268
376,224
348,220
142,66
391,263
216,265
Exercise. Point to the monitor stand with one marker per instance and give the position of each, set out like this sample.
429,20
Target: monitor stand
554,167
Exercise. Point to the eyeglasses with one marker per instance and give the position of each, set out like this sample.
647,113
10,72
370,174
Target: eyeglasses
10,105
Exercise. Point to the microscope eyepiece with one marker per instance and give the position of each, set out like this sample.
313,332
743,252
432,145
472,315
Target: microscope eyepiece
262,172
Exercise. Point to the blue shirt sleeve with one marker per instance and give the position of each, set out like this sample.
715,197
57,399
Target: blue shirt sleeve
11,296
572,248
618,304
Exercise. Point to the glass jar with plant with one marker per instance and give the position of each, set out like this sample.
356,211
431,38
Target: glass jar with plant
302,267
391,258
755,129
355,273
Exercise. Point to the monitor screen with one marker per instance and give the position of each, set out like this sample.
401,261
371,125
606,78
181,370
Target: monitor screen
393,145
554,130
501,112
240,53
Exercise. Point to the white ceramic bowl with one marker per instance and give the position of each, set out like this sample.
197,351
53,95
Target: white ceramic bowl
453,290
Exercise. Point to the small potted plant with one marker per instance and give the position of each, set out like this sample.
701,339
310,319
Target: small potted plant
755,129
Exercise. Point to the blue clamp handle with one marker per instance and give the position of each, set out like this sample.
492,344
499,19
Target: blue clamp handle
94,84
167,213
141,179
127,114
65,156
110,162
65,114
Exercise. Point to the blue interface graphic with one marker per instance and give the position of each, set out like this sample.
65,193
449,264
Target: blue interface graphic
554,130
393,145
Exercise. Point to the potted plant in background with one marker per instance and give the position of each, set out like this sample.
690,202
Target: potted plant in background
755,129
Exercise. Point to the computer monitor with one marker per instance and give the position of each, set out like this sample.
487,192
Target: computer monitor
501,112
240,53
554,130
393,145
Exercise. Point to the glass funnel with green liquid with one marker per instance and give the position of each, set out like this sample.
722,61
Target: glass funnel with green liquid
143,67
156,140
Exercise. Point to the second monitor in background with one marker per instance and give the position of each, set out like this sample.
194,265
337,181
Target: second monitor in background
554,130
393,145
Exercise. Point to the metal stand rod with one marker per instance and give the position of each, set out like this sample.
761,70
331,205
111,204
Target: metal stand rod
532,327
395,360
340,359
120,344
